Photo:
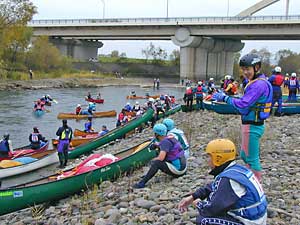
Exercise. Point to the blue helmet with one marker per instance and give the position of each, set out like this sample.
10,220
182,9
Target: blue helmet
169,123
160,129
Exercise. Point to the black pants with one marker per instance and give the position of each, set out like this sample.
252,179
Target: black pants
63,156
199,102
161,165
3,154
189,104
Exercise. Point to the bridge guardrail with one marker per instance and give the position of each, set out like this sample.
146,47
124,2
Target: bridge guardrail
164,20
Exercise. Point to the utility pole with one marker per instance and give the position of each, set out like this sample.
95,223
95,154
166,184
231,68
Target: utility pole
167,8
103,12
227,8
287,7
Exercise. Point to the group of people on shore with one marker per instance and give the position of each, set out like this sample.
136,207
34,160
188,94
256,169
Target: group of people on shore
235,196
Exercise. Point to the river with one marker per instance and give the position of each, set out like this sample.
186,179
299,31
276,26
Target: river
17,119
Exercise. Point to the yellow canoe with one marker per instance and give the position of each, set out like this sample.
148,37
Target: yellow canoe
77,141
110,113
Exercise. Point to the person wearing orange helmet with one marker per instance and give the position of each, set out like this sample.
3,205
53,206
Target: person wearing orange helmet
235,196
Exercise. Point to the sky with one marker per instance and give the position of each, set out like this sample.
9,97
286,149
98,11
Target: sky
87,9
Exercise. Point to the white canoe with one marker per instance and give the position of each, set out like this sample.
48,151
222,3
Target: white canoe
45,158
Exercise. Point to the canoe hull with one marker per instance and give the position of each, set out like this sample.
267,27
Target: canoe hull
99,101
21,197
142,97
80,133
111,113
17,170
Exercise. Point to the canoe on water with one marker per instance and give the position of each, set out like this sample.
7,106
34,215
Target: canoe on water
99,101
111,135
78,140
38,113
26,151
81,133
50,188
26,164
111,113
142,97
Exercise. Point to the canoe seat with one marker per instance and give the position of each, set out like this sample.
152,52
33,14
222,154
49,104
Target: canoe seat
142,146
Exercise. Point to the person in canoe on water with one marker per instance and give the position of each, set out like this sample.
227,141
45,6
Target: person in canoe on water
133,94
46,99
128,107
65,134
255,107
39,105
78,109
234,197
6,146
88,126
103,131
36,139
171,159
99,96
89,95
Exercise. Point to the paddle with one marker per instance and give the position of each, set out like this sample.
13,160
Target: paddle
53,100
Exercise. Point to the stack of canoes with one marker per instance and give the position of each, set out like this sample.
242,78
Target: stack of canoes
111,113
55,187
142,97
99,101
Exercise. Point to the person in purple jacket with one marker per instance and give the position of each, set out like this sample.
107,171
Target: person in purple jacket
255,107
235,197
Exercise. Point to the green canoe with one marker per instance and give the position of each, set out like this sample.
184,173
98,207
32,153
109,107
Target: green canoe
175,109
110,136
49,189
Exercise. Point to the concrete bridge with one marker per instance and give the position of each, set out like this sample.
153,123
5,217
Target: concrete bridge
207,44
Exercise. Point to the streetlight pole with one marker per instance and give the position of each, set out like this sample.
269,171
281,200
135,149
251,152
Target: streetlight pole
103,12
167,8
287,7
227,8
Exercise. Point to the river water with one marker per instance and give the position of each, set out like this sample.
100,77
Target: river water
17,119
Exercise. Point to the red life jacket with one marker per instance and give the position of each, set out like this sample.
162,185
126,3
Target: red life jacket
199,90
189,91
234,88
121,116
78,110
278,80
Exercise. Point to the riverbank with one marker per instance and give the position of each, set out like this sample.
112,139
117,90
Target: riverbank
117,203
91,82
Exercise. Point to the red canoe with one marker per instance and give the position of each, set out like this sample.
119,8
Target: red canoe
100,101
26,151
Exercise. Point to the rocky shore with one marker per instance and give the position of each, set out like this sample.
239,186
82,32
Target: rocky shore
77,83
117,203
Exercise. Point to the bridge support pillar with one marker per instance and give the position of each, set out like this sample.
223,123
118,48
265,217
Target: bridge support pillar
77,49
202,58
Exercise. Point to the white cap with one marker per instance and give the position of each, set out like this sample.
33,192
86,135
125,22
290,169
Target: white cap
277,69
211,79
78,105
188,88
127,103
200,82
136,103
294,74
151,100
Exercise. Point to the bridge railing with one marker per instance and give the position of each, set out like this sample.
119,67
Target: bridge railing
172,20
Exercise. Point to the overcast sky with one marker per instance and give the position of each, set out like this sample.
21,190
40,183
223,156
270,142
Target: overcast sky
79,9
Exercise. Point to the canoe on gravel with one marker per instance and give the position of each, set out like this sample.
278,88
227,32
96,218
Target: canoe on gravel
52,188
99,101
111,135
206,104
111,113
22,165
142,97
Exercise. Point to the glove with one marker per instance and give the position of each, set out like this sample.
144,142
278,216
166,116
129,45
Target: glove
219,96
153,146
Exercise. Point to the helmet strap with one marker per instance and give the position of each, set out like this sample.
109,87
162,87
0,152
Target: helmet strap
219,169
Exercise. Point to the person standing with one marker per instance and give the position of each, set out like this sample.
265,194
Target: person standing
188,98
199,96
154,83
293,86
235,197
255,107
277,80
65,134
6,146
30,74
157,83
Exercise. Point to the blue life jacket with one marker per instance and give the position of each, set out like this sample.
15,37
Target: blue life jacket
261,110
88,126
4,146
251,206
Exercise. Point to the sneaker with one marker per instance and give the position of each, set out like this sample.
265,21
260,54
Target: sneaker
139,185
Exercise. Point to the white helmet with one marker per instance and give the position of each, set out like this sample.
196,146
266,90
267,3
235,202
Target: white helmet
211,79
227,77
188,88
78,105
277,69
294,74
136,103
90,103
200,82
127,103
151,100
